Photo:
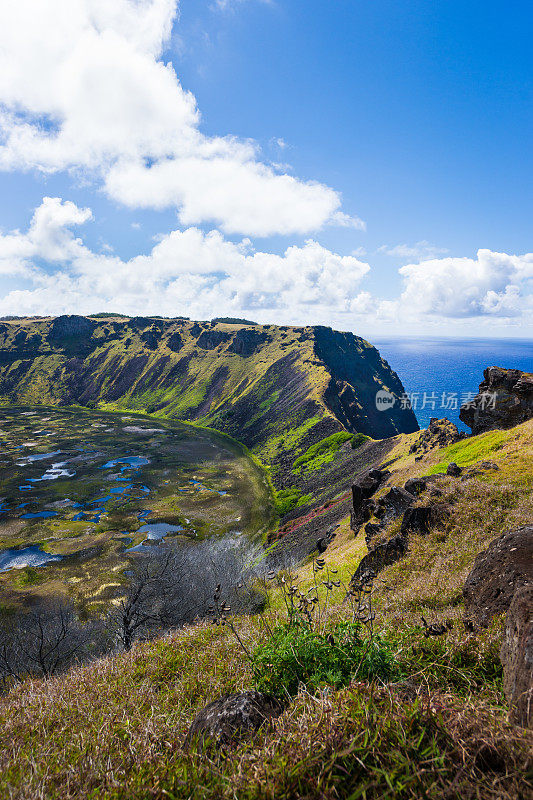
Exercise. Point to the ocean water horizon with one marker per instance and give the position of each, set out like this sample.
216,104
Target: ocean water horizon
439,374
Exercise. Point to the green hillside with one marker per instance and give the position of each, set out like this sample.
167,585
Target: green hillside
268,386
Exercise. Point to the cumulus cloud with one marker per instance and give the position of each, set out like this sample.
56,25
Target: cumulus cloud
187,272
492,284
203,275
83,86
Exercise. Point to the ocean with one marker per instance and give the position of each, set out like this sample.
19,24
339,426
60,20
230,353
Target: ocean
439,374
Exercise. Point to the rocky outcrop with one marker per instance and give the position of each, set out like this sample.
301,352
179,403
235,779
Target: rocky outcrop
393,503
208,340
418,520
453,469
498,572
517,657
175,342
415,485
439,433
231,718
365,486
380,557
505,399
71,326
362,490
245,342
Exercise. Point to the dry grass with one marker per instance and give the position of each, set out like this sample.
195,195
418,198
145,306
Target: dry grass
115,729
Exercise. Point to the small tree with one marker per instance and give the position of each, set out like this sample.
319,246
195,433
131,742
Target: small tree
42,641
145,605
170,586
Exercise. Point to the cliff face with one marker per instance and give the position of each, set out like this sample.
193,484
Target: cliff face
505,399
269,386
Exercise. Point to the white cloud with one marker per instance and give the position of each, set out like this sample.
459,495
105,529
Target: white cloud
187,272
203,275
422,249
492,284
82,87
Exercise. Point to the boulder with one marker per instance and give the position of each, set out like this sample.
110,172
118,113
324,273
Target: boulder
394,503
505,399
232,717
380,557
372,529
453,469
498,572
418,520
439,433
415,485
517,657
363,488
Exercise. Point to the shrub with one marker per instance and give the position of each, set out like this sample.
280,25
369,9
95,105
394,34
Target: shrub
358,439
287,499
322,452
295,655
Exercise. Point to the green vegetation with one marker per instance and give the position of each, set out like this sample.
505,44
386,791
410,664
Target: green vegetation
29,576
265,405
230,486
321,453
104,314
464,665
295,655
288,499
233,321
468,451
358,439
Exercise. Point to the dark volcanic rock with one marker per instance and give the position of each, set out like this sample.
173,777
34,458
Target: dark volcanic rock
232,717
439,433
505,399
71,326
196,329
351,395
246,342
208,340
517,657
415,485
394,503
506,565
150,339
363,488
421,519
372,529
175,342
453,470
381,556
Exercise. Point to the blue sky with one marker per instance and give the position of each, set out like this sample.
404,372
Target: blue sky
360,164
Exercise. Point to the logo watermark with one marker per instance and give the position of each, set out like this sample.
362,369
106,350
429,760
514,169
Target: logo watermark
384,400
444,401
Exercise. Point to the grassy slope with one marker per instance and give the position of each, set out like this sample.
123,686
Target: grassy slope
115,729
